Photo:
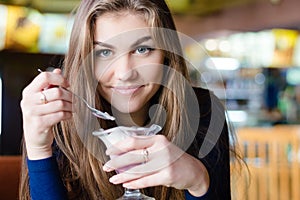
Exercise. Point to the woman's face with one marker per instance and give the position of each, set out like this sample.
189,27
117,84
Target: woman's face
127,64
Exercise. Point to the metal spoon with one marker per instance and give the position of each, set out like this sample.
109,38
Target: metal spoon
96,112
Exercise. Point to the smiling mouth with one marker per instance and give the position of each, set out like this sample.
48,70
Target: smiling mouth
127,90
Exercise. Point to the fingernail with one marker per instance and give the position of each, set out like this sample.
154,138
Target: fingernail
113,179
108,152
107,169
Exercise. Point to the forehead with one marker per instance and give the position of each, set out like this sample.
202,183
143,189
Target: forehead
125,25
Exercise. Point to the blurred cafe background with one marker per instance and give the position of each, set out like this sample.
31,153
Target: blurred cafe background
246,51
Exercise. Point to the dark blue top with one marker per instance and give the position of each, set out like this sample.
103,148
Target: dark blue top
45,182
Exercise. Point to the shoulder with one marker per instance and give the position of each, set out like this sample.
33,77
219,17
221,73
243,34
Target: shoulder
207,100
201,91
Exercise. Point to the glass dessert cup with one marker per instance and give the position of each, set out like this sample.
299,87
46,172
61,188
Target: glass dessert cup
114,135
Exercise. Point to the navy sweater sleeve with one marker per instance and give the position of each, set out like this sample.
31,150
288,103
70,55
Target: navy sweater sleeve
217,160
188,196
44,180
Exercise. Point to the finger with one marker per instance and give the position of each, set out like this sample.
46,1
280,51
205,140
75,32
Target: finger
31,111
156,160
173,176
41,123
56,117
54,107
57,93
130,144
57,71
138,181
138,171
147,181
125,161
46,79
49,95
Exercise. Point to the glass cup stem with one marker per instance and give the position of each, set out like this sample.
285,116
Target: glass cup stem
132,192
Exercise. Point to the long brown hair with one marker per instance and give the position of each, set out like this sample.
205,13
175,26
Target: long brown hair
80,156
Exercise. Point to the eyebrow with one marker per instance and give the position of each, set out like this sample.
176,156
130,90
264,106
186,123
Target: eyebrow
136,43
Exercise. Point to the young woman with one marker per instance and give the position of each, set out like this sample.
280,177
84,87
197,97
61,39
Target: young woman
125,58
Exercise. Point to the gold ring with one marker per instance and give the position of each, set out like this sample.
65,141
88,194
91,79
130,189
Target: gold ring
145,153
43,98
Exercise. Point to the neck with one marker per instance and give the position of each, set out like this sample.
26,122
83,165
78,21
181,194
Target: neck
133,119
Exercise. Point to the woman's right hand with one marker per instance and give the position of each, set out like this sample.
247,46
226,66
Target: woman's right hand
39,116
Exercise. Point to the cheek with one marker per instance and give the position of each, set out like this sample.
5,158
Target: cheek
154,74
151,73
102,73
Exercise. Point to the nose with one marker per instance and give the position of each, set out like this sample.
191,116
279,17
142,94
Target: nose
124,69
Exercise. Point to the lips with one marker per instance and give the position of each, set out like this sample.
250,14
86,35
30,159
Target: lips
129,90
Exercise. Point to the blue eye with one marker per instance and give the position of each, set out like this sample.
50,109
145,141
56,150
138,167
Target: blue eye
143,50
104,53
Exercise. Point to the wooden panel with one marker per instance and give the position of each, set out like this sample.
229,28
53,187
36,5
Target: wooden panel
273,158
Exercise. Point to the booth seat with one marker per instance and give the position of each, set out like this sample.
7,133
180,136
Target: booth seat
10,167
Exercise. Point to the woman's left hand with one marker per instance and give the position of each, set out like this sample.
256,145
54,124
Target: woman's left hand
157,162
